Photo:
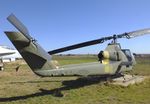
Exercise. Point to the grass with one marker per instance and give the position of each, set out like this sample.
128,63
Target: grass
26,88
142,67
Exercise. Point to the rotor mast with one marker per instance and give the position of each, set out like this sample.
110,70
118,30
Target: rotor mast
114,39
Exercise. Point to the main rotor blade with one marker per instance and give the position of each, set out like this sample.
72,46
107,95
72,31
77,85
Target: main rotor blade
80,45
101,40
134,33
20,26
139,33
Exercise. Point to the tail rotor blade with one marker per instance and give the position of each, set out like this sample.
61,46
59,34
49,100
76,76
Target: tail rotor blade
20,26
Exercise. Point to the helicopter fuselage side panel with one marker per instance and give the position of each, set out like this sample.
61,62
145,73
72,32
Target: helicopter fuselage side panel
86,69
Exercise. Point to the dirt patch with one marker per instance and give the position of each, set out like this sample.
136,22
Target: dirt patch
128,80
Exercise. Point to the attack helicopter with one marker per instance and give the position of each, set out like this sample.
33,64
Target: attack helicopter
112,61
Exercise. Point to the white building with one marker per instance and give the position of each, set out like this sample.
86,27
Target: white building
8,54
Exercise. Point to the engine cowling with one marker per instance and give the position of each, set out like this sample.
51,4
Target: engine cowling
106,55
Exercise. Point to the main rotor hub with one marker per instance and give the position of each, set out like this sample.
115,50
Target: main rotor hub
114,38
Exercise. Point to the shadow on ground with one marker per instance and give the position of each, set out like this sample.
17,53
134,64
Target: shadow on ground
67,85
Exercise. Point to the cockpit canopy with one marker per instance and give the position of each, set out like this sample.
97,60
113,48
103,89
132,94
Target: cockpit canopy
128,54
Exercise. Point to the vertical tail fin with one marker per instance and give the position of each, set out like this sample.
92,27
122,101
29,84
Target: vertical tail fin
35,56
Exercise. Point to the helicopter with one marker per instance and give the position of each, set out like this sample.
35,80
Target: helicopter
112,61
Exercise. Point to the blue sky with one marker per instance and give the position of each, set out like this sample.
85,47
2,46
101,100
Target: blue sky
59,23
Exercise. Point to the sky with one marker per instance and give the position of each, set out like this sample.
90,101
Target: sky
59,23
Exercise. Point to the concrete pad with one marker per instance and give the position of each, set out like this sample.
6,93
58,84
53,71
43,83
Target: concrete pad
128,80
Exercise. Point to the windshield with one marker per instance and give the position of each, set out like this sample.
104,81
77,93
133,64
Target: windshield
128,54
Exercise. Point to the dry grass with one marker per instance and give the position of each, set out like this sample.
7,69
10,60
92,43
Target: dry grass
26,88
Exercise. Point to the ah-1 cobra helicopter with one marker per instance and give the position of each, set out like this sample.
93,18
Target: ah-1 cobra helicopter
112,61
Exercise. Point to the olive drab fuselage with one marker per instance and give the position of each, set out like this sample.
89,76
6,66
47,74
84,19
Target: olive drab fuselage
114,60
